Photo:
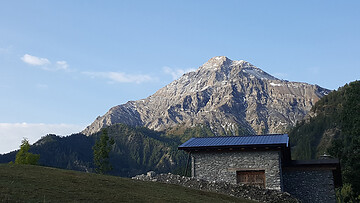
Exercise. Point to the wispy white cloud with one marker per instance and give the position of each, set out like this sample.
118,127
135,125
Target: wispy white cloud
120,77
45,63
176,73
11,134
62,65
6,50
35,61
281,75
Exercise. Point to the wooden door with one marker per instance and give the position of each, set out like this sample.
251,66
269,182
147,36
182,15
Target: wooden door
251,177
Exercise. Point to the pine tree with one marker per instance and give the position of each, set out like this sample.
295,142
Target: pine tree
101,151
24,156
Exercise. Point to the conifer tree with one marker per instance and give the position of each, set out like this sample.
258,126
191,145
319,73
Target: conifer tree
101,151
24,156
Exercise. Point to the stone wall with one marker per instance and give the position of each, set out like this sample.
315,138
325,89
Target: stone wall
236,190
310,185
222,166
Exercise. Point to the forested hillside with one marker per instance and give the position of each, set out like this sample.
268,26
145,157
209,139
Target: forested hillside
333,127
136,150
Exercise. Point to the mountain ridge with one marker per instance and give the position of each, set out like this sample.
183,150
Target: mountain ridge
228,96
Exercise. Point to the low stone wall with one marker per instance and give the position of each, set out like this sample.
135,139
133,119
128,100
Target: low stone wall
244,191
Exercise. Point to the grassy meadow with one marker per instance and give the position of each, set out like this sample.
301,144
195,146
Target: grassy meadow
26,183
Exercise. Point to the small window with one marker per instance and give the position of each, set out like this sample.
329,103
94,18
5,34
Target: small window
251,177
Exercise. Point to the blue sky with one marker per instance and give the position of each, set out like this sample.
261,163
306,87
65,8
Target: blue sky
63,63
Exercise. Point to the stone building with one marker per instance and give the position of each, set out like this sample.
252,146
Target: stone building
263,161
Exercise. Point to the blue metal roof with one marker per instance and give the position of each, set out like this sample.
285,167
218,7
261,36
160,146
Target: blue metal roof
236,141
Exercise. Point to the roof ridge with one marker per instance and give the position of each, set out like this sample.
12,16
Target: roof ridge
242,136
226,141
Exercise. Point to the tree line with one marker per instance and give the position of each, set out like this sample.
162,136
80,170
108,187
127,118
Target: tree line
334,130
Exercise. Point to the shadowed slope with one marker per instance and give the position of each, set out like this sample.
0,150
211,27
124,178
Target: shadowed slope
25,183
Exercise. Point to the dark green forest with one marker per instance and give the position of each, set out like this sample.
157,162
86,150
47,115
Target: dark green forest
136,150
333,129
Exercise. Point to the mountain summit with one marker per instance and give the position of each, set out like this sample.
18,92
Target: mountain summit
229,97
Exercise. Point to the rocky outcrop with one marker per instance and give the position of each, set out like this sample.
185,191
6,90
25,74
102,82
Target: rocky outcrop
243,191
223,94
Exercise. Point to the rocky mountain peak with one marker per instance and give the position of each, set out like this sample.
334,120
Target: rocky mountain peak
216,62
226,95
222,63
232,69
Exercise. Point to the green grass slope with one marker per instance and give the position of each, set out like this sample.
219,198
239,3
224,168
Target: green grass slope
25,183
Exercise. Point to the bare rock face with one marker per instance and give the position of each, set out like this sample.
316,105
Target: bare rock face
222,94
